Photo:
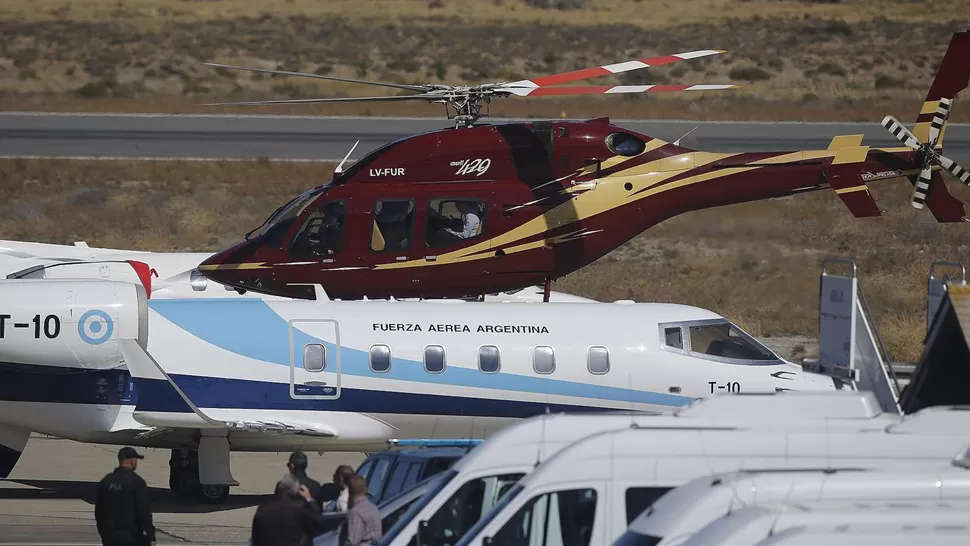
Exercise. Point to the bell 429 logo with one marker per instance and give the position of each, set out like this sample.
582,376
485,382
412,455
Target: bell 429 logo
472,166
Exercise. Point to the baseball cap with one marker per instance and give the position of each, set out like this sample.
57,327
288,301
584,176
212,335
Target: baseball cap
126,453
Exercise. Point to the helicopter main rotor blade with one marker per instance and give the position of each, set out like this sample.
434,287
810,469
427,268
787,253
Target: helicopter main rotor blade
334,99
605,70
611,89
421,88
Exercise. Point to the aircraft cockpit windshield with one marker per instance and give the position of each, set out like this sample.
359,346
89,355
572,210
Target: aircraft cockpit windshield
715,339
278,222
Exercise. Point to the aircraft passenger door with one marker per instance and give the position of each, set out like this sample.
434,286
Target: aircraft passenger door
314,359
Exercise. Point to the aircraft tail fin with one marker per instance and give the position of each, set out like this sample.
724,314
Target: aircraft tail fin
952,76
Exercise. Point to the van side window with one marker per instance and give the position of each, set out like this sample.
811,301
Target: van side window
314,357
393,225
598,360
323,232
380,358
489,359
544,359
434,359
673,337
454,221
639,499
561,517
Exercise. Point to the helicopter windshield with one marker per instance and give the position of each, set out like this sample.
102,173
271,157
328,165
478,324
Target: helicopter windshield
279,221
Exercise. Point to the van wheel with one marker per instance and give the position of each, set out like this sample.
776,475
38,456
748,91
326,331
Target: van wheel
214,494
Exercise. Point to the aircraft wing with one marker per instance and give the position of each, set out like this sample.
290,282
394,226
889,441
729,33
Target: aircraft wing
156,389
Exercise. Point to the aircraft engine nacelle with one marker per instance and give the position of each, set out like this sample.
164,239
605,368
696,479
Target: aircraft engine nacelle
72,323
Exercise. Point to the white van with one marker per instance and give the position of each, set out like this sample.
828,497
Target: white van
755,524
473,485
682,512
594,488
891,535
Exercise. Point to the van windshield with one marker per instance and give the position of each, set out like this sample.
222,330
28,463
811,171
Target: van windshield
417,506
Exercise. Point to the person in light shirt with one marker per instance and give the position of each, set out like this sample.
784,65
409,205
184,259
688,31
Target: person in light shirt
470,220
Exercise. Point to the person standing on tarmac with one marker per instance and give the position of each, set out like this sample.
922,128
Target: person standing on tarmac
297,466
290,518
363,523
122,509
340,477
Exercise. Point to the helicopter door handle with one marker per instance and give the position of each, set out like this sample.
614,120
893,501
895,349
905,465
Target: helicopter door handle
327,261
431,258
401,258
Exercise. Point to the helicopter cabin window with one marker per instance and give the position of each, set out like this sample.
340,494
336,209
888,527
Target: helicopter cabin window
673,337
323,232
489,359
454,221
544,360
314,357
598,360
380,358
393,225
624,144
724,339
434,359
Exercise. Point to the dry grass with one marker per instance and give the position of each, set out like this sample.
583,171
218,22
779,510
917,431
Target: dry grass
647,14
795,60
757,263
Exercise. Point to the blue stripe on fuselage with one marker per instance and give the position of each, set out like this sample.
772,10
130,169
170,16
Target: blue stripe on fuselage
256,395
251,328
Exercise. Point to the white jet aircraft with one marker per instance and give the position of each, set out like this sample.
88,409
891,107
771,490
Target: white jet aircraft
276,374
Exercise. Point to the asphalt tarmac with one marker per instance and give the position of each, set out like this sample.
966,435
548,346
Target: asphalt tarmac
317,138
49,497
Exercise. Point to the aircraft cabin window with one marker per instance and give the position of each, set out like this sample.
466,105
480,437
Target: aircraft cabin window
489,359
314,357
454,221
434,359
544,359
726,340
323,232
624,144
673,337
598,360
393,225
380,358
562,517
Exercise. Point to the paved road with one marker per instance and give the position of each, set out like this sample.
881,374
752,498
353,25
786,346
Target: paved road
308,138
49,498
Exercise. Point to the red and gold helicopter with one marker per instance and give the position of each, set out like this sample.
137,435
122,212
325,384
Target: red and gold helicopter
483,208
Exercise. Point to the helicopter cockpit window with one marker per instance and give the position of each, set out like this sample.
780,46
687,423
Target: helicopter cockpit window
323,231
279,222
454,221
624,144
725,340
393,225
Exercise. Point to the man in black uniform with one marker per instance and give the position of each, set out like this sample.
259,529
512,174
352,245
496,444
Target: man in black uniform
122,510
297,466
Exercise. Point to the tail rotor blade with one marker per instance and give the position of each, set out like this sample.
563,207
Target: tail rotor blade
939,119
922,187
956,170
901,133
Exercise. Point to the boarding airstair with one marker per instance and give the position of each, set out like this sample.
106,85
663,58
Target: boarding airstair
850,348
